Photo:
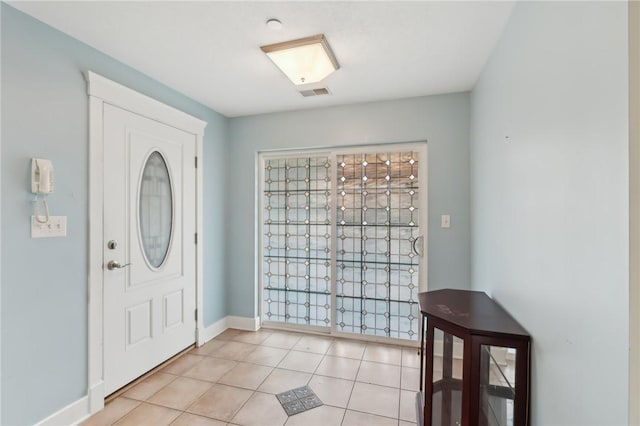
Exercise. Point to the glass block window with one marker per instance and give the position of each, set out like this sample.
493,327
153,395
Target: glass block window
377,226
297,241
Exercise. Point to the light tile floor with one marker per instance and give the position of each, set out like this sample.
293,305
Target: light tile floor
233,379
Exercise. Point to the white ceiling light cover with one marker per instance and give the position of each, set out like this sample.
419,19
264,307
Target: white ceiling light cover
303,61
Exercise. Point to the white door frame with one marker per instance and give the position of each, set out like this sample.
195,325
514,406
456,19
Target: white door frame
634,212
102,90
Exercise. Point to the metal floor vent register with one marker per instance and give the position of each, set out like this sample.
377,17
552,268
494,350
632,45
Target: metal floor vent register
298,400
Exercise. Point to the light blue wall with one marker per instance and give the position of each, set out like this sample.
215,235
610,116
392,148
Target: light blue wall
442,120
550,203
44,281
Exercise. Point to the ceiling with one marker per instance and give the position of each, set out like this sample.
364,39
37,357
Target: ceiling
210,50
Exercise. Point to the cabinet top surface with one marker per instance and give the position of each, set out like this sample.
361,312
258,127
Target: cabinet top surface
471,310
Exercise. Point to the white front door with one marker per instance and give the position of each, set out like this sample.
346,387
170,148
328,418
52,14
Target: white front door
149,248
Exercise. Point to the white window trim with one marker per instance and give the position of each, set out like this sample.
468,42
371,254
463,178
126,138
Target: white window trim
102,90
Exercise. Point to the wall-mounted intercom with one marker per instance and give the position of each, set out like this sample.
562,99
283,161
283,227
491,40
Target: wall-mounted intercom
41,185
41,176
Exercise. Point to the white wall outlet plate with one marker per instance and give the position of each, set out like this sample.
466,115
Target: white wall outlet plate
55,227
445,221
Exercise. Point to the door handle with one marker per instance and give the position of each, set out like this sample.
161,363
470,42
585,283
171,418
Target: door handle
114,264
415,247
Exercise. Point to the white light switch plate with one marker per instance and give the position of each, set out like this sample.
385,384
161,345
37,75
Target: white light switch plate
56,227
445,221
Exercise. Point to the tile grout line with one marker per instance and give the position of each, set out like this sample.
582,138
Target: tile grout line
253,391
256,390
353,386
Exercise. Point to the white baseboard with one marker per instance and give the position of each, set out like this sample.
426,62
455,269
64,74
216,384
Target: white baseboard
72,414
212,331
243,323
230,321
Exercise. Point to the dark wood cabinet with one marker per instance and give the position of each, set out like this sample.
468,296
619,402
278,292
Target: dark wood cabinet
475,365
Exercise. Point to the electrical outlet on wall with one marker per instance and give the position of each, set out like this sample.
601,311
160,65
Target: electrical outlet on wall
445,221
55,227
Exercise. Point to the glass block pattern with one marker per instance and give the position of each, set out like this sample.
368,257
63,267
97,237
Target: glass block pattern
297,241
377,223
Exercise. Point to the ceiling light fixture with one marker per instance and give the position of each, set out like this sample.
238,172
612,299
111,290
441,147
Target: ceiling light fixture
306,60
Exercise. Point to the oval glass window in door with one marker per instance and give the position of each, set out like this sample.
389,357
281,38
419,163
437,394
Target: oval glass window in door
155,207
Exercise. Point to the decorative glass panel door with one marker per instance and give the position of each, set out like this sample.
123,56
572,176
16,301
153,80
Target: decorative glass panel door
377,241
373,220
297,241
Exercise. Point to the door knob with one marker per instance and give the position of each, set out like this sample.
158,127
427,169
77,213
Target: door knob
114,264
414,246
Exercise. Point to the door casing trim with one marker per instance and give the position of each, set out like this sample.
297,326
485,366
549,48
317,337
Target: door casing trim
100,91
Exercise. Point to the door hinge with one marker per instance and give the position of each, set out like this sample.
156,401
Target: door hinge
196,162
195,238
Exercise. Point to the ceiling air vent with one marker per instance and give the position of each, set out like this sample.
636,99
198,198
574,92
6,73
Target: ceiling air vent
315,92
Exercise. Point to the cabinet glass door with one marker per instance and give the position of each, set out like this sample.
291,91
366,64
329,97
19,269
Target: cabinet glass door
497,385
448,357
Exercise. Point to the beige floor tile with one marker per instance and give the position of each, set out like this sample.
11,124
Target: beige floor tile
410,357
208,347
379,374
383,353
220,402
342,368
354,418
283,380
265,355
282,340
262,409
228,334
374,399
187,419
253,337
245,375
315,344
408,406
180,393
332,391
210,369
410,379
403,423
149,386
182,364
112,412
301,361
149,414
233,350
347,349
319,416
